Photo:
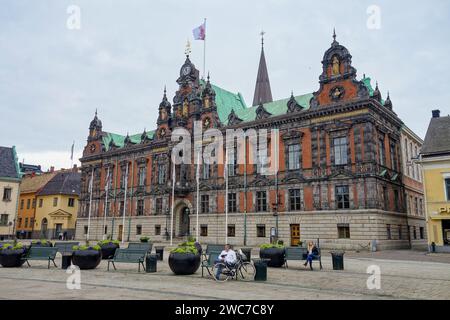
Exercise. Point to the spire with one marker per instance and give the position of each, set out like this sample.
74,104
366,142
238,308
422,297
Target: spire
262,88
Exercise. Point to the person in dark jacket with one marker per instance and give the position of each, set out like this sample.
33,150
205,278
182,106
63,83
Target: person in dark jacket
311,253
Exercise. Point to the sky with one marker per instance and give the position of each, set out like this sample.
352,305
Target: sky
53,76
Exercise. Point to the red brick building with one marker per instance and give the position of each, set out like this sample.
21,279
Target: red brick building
340,174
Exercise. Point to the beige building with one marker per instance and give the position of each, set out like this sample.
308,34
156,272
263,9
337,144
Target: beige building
57,206
9,188
411,145
435,162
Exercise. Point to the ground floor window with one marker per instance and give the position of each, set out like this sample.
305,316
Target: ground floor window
414,233
421,231
157,230
261,230
231,230
232,203
342,197
106,230
343,231
400,236
388,230
138,230
85,230
204,230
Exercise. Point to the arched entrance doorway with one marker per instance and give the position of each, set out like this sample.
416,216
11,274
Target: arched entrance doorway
182,223
44,226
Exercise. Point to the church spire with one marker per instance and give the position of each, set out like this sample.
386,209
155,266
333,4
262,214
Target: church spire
263,94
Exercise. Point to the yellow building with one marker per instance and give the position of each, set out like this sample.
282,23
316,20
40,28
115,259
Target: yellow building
435,161
57,206
9,187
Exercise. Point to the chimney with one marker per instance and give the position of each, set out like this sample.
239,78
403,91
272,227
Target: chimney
75,168
52,169
436,113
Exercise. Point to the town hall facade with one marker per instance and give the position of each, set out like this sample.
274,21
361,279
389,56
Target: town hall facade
340,176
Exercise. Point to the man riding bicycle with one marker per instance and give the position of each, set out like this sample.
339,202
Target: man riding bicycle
227,256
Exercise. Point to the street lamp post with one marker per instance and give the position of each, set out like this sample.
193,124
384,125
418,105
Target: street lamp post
275,214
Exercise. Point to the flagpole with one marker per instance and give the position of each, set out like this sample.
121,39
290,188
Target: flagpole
124,204
90,204
198,195
173,200
226,194
106,203
204,51
71,155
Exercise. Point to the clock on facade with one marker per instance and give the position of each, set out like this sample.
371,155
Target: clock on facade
186,70
92,147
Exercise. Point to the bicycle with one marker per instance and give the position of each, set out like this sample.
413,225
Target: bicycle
241,270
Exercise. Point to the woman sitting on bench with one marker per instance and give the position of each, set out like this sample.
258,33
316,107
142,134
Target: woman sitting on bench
311,253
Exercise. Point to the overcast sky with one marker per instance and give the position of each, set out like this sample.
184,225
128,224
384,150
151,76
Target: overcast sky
53,78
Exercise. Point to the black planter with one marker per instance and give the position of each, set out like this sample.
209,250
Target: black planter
11,258
184,263
87,259
276,256
108,250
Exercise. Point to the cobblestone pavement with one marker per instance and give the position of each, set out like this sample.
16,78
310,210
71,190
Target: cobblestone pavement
400,279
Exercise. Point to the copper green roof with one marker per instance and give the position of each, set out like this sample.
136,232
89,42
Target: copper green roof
225,101
366,81
119,140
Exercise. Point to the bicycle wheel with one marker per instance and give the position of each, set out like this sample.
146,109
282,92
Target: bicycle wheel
246,272
223,275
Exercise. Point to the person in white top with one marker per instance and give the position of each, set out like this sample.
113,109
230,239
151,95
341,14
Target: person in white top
227,256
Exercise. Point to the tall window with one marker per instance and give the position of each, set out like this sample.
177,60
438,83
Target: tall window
232,204
26,223
33,203
294,157
141,176
41,203
396,201
28,203
386,199
161,173
381,151
393,158
294,200
205,171
342,197
340,151
232,159
71,202
22,202
416,205
261,201
140,207
123,178
55,202
3,220
204,200
388,230
121,207
7,194
447,187
158,206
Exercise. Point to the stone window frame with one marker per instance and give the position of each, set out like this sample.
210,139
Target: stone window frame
260,230
142,171
261,202
138,201
293,137
138,229
343,202
204,203
300,203
339,133
231,230
159,205
203,230
157,230
230,207
343,231
7,194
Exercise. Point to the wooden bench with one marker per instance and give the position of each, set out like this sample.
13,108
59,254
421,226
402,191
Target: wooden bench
215,248
65,248
208,261
299,253
140,246
41,253
129,256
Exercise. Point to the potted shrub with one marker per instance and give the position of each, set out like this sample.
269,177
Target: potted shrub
41,243
108,248
145,239
86,256
273,251
11,255
185,259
